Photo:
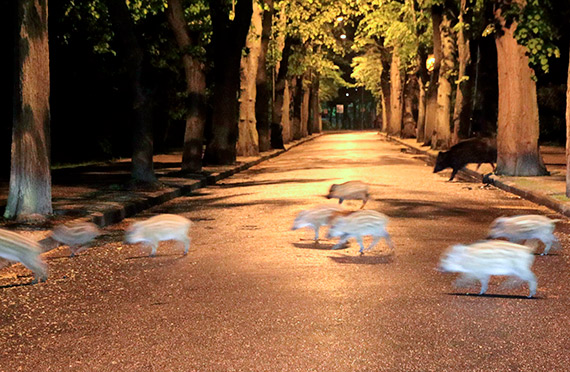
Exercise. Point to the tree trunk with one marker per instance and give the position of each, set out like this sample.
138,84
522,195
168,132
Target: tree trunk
228,40
385,96
296,89
132,56
518,128
248,139
409,127
568,132
30,179
195,88
280,123
305,91
316,124
263,97
421,111
443,128
431,94
395,123
461,111
285,121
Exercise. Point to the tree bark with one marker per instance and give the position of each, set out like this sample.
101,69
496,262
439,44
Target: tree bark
462,111
422,78
228,40
248,139
30,178
518,153
132,56
421,111
431,94
285,119
263,99
296,89
409,126
305,91
195,89
385,96
442,136
280,129
568,132
316,124
395,123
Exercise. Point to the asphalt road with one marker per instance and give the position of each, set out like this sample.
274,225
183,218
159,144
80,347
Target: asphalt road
252,295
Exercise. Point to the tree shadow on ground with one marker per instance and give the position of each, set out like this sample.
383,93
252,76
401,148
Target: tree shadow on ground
317,246
267,182
423,209
513,297
336,163
16,285
171,257
207,204
364,259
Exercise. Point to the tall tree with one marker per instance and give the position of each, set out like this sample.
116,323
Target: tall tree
280,121
442,136
431,94
396,94
132,55
297,92
229,32
568,133
248,139
30,179
518,127
262,83
462,111
194,72
315,125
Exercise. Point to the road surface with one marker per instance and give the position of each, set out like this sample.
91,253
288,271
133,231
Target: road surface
252,295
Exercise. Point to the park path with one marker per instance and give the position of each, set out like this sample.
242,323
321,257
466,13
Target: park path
254,296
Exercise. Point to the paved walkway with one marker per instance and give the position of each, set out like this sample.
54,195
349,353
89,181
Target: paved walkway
96,193
253,295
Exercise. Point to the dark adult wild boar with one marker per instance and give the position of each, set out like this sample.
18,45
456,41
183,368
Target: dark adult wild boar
473,150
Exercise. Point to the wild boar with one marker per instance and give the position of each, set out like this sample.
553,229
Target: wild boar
473,150
351,190
160,228
316,217
490,257
16,247
525,227
359,224
75,235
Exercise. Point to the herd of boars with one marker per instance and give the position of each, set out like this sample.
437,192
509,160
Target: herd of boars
479,260
78,235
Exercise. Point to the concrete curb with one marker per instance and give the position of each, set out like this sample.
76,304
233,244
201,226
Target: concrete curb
119,212
508,186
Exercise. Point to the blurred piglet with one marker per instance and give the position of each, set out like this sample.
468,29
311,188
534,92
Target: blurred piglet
15,247
473,150
482,259
160,228
75,235
525,227
318,216
351,190
359,224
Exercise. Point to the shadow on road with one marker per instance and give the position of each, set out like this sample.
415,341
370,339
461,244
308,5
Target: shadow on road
5,286
363,259
267,182
494,296
319,246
